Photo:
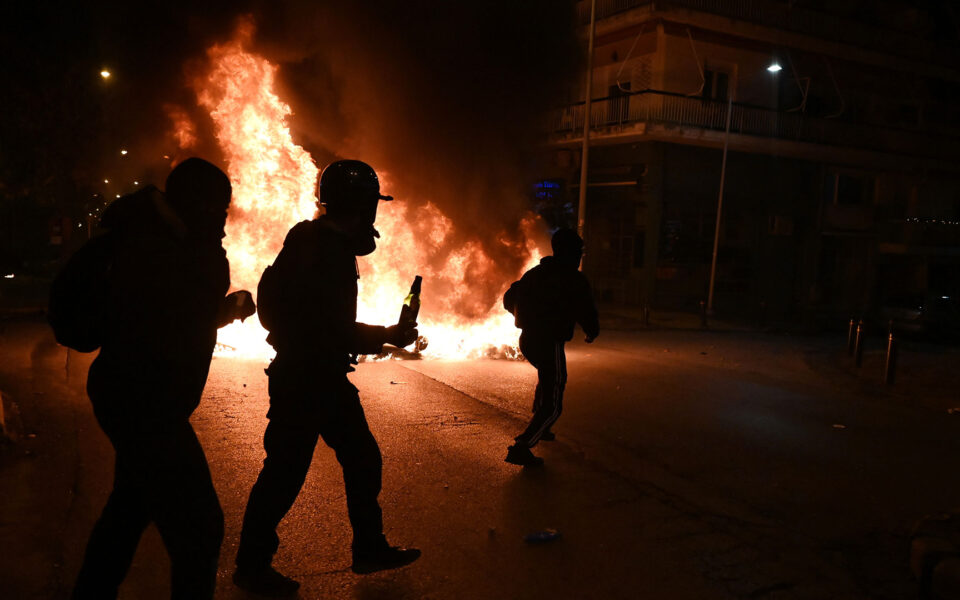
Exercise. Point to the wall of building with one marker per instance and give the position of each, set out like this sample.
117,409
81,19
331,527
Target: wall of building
768,223
750,81
629,60
810,82
634,59
830,236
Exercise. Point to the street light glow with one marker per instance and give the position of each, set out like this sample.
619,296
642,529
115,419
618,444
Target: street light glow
774,68
105,74
106,181
123,152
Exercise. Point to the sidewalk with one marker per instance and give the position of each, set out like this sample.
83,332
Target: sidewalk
926,373
632,318
23,295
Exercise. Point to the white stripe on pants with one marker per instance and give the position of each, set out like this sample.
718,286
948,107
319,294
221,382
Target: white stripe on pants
551,361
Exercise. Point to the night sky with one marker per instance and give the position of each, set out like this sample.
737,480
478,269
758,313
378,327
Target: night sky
436,74
446,97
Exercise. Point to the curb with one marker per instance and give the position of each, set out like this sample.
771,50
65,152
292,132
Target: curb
28,311
935,556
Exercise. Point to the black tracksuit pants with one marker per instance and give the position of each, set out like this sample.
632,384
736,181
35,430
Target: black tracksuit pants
302,411
548,356
161,477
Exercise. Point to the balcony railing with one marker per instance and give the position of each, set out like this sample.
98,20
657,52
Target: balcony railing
922,231
623,114
780,15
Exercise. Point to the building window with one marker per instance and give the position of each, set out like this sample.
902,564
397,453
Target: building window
716,84
853,189
639,244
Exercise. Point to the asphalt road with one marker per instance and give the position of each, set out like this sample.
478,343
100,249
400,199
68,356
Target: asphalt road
687,465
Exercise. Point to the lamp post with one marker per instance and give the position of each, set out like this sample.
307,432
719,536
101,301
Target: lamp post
582,208
716,231
774,68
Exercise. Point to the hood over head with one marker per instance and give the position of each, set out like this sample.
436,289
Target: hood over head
200,194
144,210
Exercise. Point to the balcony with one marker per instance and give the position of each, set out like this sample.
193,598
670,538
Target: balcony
685,119
922,232
779,15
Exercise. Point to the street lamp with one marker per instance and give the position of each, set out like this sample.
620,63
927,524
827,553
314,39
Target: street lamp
774,68
105,74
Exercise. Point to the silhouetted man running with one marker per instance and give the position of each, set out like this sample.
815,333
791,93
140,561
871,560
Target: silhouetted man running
547,301
308,301
165,300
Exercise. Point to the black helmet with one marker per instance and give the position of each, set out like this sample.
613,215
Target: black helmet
346,184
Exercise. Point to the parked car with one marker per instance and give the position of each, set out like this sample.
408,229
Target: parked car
929,314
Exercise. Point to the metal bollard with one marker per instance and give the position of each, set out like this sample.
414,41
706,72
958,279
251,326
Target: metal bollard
850,331
703,314
646,315
890,367
858,345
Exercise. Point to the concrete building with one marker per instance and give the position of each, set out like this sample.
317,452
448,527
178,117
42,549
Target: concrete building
842,180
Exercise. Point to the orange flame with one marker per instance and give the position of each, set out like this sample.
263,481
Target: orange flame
273,188
184,131
408,246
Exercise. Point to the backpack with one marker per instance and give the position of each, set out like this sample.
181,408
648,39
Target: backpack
270,298
79,294
514,300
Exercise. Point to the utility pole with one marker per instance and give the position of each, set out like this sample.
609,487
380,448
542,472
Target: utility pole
582,209
716,232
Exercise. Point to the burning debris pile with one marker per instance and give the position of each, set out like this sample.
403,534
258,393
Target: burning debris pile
464,230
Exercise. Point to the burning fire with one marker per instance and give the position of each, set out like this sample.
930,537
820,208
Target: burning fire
273,189
405,250
184,131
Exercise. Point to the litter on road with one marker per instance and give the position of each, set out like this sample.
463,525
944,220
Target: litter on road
539,537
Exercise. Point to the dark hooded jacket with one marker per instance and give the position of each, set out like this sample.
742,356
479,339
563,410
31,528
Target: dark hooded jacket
549,299
318,330
166,291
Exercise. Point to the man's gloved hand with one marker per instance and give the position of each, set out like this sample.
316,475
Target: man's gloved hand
239,305
402,334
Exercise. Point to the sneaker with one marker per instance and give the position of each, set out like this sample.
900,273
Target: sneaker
382,559
265,582
549,436
521,455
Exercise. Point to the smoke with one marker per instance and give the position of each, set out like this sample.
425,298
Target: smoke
445,98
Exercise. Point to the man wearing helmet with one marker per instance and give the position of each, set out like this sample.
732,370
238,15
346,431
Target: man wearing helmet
312,287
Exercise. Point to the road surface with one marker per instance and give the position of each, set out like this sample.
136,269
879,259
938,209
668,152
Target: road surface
687,465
